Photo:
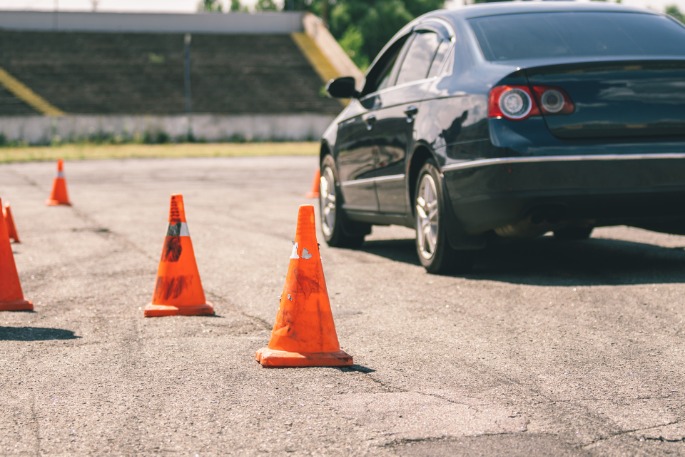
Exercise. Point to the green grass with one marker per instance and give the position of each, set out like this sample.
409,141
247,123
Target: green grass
129,151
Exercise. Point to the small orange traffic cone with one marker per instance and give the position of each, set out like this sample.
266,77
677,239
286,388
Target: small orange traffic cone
9,220
11,295
179,289
314,193
304,333
59,195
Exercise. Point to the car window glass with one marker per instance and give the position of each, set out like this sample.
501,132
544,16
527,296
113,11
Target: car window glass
385,78
439,58
419,57
382,73
583,34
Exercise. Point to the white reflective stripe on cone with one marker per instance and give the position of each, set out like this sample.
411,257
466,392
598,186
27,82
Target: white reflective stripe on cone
178,229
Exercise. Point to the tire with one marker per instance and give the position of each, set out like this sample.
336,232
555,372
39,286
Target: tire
434,251
338,230
573,233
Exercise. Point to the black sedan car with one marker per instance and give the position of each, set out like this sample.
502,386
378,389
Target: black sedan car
511,120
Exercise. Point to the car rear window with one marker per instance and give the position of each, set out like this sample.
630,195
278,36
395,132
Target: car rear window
577,34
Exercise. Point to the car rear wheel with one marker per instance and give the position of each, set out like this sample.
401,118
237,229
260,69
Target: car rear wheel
338,230
432,246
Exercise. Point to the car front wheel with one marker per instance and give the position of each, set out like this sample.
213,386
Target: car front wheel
432,246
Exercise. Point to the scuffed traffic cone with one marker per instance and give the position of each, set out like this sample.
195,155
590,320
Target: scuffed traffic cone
9,221
179,289
304,333
59,195
314,193
11,295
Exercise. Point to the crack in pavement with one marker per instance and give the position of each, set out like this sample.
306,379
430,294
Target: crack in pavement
25,178
449,400
36,421
386,386
428,439
613,398
662,439
626,432
224,301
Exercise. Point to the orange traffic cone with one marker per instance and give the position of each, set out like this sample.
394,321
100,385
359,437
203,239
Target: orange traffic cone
11,295
314,193
59,188
304,333
9,220
179,289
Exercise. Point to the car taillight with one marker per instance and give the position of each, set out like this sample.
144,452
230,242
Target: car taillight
512,102
553,100
517,102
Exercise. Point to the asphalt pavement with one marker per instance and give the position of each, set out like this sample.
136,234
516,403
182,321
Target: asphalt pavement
548,348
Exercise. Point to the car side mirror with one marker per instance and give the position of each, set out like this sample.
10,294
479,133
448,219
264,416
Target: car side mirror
344,87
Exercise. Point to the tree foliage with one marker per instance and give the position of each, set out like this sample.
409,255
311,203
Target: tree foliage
675,12
237,7
363,26
266,5
210,6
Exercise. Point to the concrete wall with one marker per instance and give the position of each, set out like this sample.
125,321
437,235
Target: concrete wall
205,127
233,23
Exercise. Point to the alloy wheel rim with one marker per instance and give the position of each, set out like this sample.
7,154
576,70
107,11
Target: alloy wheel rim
427,217
327,201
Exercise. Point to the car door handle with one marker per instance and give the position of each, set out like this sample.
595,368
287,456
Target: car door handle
370,121
411,111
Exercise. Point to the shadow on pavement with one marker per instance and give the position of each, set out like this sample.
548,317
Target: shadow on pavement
398,250
357,369
35,334
550,262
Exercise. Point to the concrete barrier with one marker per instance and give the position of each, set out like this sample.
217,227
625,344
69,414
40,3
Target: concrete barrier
234,23
204,127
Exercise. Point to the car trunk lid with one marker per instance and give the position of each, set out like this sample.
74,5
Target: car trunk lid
623,99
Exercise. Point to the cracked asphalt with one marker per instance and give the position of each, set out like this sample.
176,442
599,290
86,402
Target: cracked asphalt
548,348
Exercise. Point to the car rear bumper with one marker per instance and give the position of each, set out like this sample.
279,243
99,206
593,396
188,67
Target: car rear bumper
607,189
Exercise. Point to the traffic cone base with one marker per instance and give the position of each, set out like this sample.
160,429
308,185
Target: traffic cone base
153,310
57,203
17,305
273,358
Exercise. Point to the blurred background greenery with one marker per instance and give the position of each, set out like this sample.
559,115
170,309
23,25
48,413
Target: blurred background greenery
362,27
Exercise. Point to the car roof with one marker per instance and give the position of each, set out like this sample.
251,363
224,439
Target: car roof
505,8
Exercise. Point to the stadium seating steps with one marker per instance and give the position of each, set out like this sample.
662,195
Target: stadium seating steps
143,73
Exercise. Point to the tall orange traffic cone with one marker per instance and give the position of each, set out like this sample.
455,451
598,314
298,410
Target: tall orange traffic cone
304,333
9,220
179,289
59,195
11,295
314,193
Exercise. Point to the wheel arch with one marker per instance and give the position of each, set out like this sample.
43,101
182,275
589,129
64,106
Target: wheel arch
419,157
324,150
457,237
